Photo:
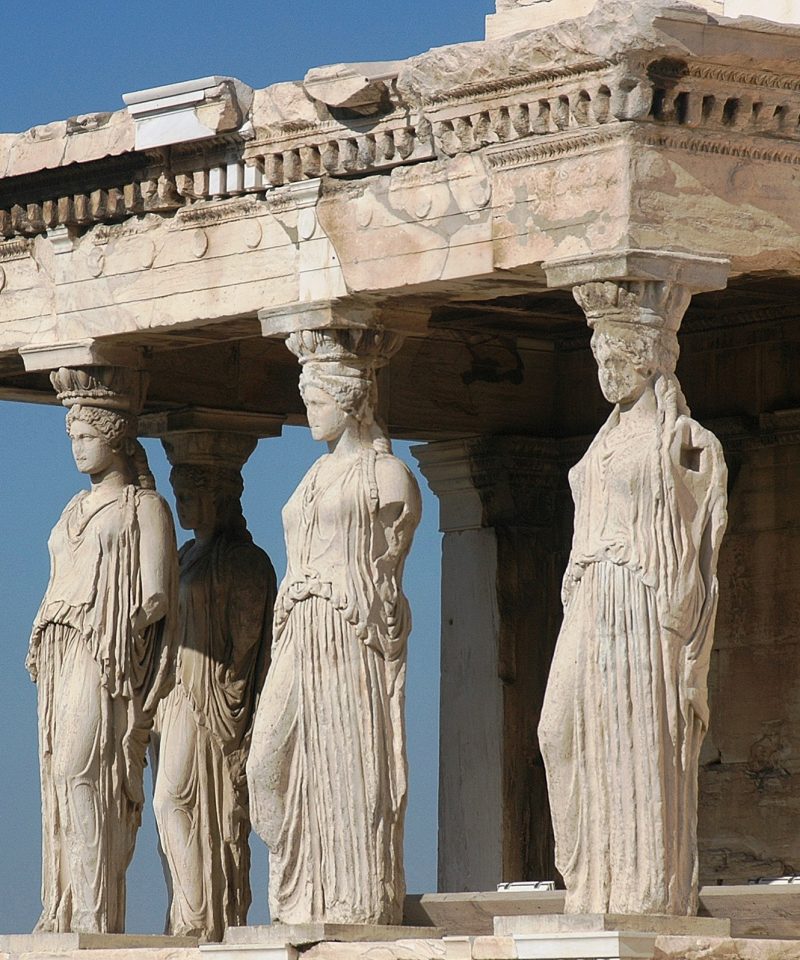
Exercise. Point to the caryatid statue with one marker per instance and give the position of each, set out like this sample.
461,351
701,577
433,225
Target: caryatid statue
327,767
101,653
227,592
626,707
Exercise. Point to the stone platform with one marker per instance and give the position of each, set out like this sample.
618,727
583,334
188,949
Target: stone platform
666,947
284,941
600,936
64,944
754,911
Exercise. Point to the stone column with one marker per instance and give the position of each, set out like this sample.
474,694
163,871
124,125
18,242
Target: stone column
102,645
502,555
327,767
626,708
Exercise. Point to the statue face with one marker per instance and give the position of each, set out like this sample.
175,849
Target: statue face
621,378
197,508
93,454
325,417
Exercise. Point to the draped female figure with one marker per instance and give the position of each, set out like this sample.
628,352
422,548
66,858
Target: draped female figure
626,706
327,767
227,590
101,653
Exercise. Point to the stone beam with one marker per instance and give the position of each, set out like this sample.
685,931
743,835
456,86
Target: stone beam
82,353
212,421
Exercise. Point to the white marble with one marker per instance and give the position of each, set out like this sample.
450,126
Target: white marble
626,707
102,655
188,110
327,767
202,730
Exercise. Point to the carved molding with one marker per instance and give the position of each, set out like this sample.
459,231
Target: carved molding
14,249
543,116
652,303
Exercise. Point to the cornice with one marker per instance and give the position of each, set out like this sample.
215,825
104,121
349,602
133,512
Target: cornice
510,86
697,106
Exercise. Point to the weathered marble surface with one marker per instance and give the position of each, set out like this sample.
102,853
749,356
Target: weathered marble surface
202,730
327,766
102,655
626,707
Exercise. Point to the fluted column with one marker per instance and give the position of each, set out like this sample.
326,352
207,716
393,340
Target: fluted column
501,560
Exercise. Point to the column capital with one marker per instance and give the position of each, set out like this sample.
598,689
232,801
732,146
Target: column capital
492,481
695,273
209,448
81,353
659,304
342,313
114,388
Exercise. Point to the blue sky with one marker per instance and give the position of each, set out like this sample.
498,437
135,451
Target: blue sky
63,59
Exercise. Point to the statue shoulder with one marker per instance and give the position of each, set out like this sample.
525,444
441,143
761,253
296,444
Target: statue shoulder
395,480
245,560
152,508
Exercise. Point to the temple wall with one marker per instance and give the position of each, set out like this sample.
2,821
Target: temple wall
750,766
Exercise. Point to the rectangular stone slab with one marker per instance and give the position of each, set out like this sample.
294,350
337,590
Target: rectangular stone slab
609,922
587,945
15,943
301,934
472,914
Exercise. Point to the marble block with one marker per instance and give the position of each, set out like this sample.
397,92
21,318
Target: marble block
17,943
302,934
599,936
472,914
281,941
603,922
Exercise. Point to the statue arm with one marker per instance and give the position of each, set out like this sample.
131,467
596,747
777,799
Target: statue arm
158,559
698,457
399,514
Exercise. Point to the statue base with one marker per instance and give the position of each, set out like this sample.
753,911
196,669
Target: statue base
282,941
600,936
15,944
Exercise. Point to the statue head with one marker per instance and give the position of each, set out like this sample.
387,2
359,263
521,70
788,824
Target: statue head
338,379
102,404
335,399
630,357
207,480
100,439
208,498
107,438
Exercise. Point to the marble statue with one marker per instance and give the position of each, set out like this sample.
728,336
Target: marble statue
327,767
626,706
101,654
226,596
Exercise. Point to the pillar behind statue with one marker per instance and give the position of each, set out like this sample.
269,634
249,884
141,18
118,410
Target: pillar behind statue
227,592
101,653
327,768
626,706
